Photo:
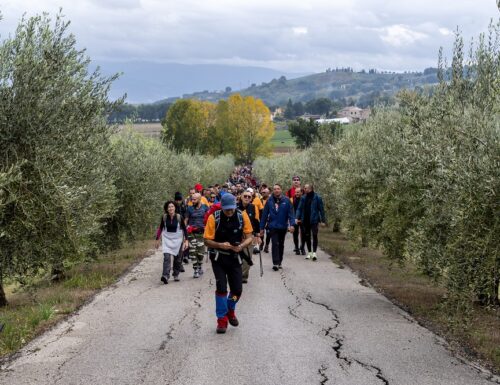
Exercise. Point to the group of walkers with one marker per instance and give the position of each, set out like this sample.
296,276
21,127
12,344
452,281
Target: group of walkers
234,221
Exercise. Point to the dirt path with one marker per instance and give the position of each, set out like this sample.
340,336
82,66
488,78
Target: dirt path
311,323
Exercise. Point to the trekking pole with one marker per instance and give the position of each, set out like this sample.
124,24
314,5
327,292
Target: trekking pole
261,268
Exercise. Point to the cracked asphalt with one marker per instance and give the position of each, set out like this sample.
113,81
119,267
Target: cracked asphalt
311,323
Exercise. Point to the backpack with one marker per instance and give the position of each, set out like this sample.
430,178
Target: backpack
217,218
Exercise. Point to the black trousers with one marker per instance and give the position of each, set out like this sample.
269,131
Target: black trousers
227,270
278,244
296,237
309,228
268,240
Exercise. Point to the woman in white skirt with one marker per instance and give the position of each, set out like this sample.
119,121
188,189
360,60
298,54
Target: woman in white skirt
173,235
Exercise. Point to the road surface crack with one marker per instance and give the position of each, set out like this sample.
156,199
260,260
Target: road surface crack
292,309
338,339
324,377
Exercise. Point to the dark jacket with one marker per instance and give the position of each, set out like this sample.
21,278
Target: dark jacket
281,218
317,210
250,209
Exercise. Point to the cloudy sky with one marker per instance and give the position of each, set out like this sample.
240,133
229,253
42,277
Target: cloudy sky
287,35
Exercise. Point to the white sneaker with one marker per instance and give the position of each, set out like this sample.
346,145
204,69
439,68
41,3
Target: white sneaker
314,257
309,255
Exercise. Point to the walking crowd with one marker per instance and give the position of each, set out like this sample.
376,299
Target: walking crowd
229,223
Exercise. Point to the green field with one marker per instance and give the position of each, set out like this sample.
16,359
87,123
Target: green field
282,139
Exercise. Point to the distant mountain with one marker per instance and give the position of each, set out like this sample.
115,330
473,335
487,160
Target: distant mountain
340,85
146,82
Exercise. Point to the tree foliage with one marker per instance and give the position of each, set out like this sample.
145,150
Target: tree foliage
240,126
422,180
69,187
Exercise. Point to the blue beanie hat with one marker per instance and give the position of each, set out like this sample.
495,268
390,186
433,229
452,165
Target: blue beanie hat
228,202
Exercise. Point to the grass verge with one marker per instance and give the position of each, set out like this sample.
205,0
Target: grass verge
33,310
282,139
478,339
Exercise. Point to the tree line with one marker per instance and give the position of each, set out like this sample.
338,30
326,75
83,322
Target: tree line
154,112
421,179
70,188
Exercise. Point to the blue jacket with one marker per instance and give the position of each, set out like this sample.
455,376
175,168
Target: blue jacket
317,210
277,219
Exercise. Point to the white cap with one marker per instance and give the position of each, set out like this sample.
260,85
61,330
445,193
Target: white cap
250,190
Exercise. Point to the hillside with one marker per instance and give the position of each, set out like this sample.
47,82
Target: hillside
360,86
343,86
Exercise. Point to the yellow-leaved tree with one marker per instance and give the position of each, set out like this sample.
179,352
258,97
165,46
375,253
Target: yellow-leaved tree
240,126
250,121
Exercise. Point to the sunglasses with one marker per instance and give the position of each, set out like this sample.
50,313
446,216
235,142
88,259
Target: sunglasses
247,196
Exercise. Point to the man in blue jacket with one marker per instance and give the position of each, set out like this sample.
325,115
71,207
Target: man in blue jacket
278,215
309,215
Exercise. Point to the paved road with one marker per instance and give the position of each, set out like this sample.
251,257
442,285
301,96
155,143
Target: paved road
311,323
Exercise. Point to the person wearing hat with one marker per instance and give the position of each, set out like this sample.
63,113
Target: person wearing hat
227,233
195,228
198,188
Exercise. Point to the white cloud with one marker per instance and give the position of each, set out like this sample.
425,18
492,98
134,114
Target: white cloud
400,35
298,31
445,31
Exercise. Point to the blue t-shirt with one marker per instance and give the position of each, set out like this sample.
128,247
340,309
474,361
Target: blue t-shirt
195,216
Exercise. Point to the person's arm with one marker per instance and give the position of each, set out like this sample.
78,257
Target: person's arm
291,218
263,220
322,216
298,213
183,228
158,233
247,234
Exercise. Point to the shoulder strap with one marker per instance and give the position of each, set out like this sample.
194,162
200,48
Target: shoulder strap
179,220
217,219
240,218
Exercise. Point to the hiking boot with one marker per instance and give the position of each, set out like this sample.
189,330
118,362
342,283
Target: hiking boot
275,268
176,278
164,280
196,274
232,318
222,325
302,251
314,257
266,249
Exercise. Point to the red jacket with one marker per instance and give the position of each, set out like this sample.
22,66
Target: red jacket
213,209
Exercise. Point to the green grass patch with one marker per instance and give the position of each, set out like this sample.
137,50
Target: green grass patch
282,139
421,297
35,309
